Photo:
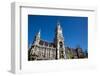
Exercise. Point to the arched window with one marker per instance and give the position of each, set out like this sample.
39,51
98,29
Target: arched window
61,44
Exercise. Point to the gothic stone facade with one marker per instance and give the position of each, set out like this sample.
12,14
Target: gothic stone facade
43,50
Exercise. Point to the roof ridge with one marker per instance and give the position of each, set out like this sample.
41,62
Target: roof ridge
46,41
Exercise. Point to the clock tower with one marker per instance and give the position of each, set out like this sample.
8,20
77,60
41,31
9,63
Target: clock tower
59,42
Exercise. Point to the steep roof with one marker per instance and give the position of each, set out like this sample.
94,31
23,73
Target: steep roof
45,43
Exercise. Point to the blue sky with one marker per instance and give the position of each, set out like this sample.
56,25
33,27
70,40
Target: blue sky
75,29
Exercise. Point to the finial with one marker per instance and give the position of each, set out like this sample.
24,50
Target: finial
58,24
39,32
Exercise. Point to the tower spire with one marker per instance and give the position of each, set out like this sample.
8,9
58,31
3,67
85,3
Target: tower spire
59,42
37,38
39,32
58,24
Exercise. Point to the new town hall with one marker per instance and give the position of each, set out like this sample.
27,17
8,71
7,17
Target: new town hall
43,50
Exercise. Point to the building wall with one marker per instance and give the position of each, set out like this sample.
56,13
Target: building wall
42,53
39,52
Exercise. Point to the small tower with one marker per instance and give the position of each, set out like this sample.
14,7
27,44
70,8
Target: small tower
37,38
59,42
